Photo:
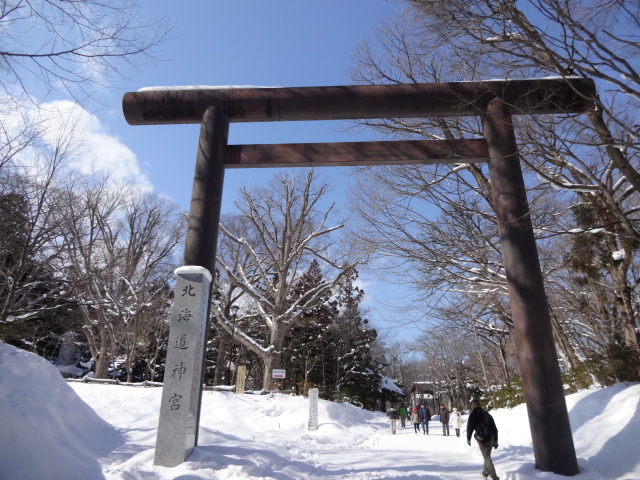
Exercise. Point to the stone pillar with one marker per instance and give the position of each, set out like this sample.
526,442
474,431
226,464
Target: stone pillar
313,409
241,375
183,373
68,349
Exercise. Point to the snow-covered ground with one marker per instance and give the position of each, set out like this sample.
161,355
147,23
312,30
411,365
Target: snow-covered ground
53,430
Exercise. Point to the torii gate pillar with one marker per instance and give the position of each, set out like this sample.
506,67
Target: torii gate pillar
542,383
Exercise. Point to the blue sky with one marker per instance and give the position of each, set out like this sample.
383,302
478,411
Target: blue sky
245,42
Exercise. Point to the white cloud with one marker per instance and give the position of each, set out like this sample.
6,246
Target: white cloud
97,150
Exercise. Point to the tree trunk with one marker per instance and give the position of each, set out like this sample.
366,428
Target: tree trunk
267,381
102,365
272,360
129,368
99,351
480,358
503,363
563,345
273,357
625,306
220,360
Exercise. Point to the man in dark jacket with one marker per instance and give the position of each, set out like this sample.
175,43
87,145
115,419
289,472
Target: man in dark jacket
393,416
477,418
425,418
444,419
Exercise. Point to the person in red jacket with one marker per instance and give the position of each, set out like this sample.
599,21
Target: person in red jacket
415,419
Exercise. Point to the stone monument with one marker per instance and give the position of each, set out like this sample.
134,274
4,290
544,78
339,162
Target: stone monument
183,374
241,376
313,409
68,349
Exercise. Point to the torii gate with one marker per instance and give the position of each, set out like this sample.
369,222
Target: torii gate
494,101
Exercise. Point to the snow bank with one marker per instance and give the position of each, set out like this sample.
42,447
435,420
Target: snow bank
47,430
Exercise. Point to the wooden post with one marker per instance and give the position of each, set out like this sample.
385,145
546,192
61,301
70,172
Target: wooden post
548,416
241,376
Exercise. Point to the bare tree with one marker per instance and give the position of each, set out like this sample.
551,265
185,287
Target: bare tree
118,252
589,163
228,294
146,246
401,359
447,363
569,38
289,229
51,45
454,258
29,226
154,321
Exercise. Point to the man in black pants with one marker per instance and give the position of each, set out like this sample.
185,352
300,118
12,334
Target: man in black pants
476,422
444,419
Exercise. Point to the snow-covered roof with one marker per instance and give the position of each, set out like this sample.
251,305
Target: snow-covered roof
388,384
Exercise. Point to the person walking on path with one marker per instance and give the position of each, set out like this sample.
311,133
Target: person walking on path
486,434
402,411
415,419
456,421
425,418
444,419
393,416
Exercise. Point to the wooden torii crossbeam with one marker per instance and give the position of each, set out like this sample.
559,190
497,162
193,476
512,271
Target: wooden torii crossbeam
418,100
494,101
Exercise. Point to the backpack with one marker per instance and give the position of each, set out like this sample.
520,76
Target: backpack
483,430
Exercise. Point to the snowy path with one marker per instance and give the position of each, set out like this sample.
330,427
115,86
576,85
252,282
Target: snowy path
379,456
256,437
407,455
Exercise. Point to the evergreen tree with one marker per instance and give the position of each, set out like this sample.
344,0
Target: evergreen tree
355,372
305,350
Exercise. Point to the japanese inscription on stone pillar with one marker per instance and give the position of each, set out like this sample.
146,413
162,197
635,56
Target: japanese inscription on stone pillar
183,374
241,375
313,409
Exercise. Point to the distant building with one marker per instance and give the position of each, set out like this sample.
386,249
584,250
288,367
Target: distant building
423,392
